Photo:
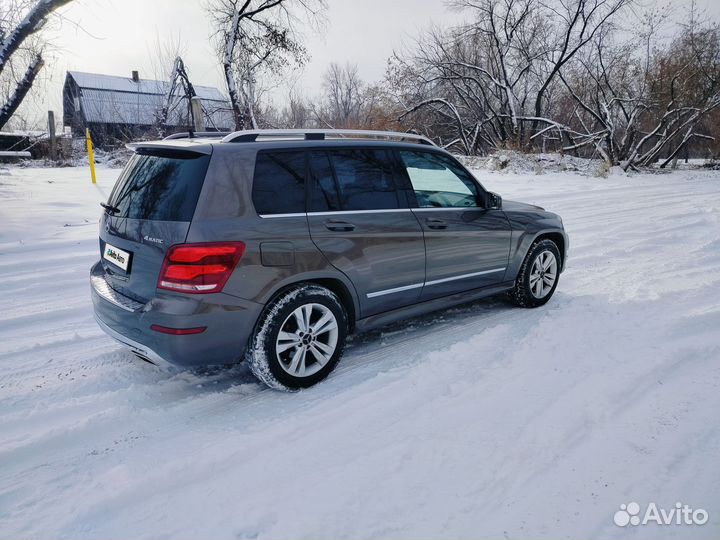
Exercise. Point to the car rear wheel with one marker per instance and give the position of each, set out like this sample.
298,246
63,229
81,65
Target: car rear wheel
300,338
539,274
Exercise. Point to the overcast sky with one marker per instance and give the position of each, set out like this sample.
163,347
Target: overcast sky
116,36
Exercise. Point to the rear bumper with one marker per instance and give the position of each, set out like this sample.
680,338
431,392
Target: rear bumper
229,321
135,346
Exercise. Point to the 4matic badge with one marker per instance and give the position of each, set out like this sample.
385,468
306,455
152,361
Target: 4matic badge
153,240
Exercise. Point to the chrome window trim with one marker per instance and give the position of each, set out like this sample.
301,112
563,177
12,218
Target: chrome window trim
295,214
436,208
379,211
336,213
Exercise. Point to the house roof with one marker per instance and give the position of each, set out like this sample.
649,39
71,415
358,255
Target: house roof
111,99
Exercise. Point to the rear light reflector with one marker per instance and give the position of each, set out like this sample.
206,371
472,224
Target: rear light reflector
199,268
178,331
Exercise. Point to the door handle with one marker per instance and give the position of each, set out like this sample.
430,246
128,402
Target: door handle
434,223
339,225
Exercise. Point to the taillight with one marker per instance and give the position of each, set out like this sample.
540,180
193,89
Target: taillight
199,268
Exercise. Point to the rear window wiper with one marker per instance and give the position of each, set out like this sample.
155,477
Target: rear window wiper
110,208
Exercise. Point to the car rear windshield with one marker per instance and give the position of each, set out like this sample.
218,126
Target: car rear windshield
160,185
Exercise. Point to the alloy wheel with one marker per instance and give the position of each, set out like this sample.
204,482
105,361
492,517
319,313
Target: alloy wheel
543,274
307,340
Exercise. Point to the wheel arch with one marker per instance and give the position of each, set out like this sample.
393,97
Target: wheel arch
525,241
558,238
343,293
336,285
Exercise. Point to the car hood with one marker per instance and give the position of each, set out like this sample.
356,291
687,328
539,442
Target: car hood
521,207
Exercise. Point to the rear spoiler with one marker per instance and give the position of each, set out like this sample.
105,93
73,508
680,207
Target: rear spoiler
182,145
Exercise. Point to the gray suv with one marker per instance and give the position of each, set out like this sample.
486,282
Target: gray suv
273,246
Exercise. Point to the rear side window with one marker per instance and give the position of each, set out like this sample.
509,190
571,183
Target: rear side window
279,183
161,186
324,193
353,180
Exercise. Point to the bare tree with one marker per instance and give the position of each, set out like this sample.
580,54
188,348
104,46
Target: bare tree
257,38
20,20
476,79
296,114
488,80
179,91
21,89
168,67
347,101
577,22
531,73
640,100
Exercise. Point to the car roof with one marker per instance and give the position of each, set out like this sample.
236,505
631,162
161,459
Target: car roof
210,145
254,140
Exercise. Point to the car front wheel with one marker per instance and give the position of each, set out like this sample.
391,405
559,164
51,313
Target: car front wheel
300,338
539,274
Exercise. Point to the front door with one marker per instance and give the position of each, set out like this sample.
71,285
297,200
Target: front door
467,244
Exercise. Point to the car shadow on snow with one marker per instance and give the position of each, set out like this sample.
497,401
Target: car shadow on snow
218,396
362,349
367,355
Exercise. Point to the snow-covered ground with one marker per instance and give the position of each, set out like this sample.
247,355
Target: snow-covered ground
482,421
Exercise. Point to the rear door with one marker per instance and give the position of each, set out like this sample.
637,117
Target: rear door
467,245
151,207
361,223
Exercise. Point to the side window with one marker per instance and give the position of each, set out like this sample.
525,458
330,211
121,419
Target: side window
324,196
438,182
279,183
365,179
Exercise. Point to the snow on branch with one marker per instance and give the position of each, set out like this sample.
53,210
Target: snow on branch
33,21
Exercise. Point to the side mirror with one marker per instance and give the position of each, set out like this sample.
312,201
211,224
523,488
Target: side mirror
494,201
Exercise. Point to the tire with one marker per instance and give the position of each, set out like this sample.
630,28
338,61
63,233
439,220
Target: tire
531,291
302,355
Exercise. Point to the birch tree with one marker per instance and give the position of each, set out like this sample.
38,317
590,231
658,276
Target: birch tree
257,39
20,21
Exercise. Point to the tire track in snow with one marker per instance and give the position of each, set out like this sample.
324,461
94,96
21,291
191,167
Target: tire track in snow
483,419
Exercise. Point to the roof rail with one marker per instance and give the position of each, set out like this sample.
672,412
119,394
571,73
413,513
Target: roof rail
197,134
323,134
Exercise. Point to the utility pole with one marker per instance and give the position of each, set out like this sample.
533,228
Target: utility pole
197,114
53,139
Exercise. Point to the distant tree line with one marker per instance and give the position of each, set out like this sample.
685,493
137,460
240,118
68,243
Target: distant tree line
603,78
600,78
580,76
